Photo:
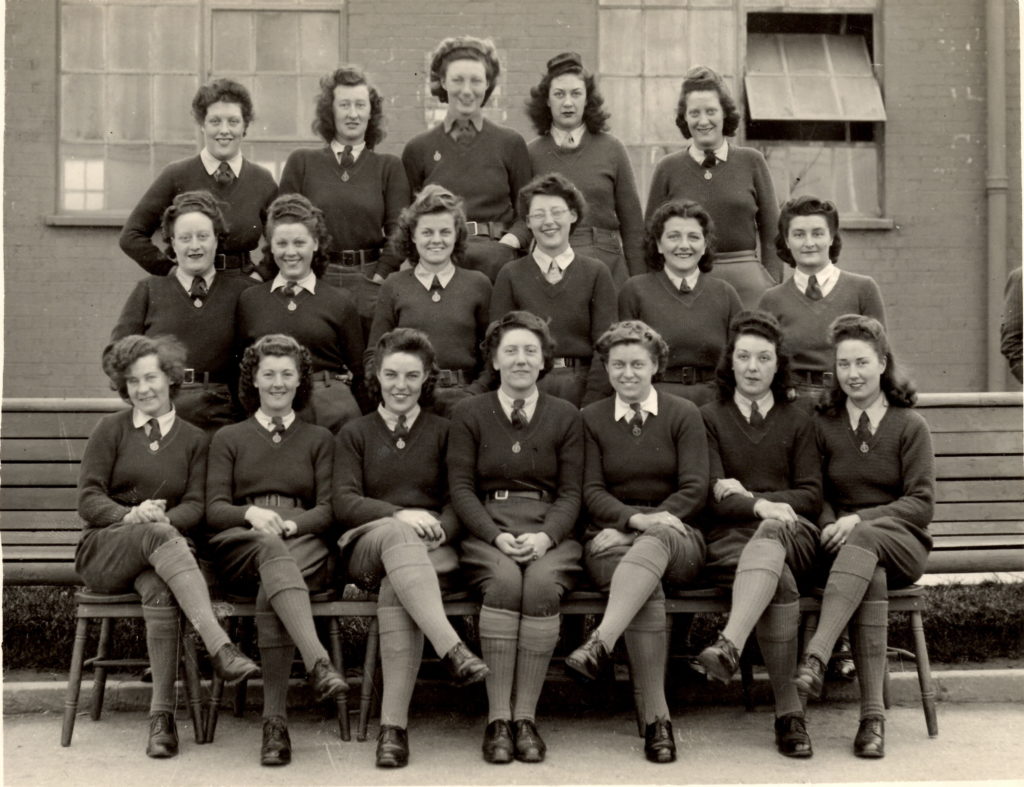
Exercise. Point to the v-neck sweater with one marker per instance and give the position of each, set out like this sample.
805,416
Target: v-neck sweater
482,459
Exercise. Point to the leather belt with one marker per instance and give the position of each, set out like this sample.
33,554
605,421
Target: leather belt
351,258
492,229
196,377
505,494
688,375
230,261
329,377
451,377
568,363
278,501
808,377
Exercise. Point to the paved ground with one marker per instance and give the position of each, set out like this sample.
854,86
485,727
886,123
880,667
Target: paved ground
718,745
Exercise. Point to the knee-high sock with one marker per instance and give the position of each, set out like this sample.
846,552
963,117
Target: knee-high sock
401,650
162,644
174,564
415,583
846,585
646,643
870,638
286,591
276,653
638,575
537,639
757,576
499,634
778,635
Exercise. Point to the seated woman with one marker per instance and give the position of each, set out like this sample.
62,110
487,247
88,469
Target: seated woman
515,465
879,476
268,487
645,476
140,492
391,495
766,482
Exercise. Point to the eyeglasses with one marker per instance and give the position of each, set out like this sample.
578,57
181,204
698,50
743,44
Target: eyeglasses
555,213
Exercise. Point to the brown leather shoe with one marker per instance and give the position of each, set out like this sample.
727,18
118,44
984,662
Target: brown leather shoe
277,745
590,660
326,681
809,676
498,744
660,741
721,660
232,665
163,736
870,740
530,747
464,667
392,747
791,736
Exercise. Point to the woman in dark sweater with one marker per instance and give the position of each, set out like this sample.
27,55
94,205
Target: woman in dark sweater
568,113
766,486
879,474
140,493
645,478
297,302
515,462
481,162
692,311
391,496
268,507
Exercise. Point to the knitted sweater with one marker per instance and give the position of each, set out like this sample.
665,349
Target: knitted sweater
599,167
664,469
120,471
245,462
739,196
362,211
805,322
245,208
482,459
695,324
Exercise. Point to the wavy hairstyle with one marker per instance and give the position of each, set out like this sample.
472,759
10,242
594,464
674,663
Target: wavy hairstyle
808,206
683,209
192,202
633,332
553,184
704,78
296,209
754,323
278,345
411,342
432,199
119,356
595,117
227,90
527,321
463,48
898,388
323,121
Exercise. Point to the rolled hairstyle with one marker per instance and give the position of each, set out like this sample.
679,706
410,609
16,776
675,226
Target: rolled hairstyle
348,76
553,184
527,321
899,390
754,323
683,209
192,202
595,117
463,48
227,90
808,206
297,209
119,356
633,332
704,78
432,199
412,342
279,345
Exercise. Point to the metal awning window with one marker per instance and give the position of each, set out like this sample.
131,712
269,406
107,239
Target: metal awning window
795,76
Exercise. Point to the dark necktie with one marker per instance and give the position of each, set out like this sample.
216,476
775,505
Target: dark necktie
154,433
863,432
291,289
277,433
224,176
436,289
554,274
756,419
813,291
637,421
463,131
345,158
684,287
710,160
518,416
198,292
401,433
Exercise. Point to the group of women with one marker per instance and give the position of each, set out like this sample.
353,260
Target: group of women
520,285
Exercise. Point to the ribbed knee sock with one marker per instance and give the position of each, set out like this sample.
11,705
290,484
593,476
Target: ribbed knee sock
778,635
757,576
870,640
414,580
174,564
647,645
401,650
286,591
499,635
162,644
537,639
276,654
638,575
847,583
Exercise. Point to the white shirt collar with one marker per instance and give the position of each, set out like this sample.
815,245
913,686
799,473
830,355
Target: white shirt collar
691,280
264,420
764,404
339,147
544,260
166,421
875,412
561,138
648,406
529,407
477,119
426,277
308,283
211,162
391,420
186,279
826,277
721,153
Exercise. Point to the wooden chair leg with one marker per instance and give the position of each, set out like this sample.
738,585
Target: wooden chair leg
338,657
886,699
747,679
924,673
74,681
369,675
193,687
99,675
213,707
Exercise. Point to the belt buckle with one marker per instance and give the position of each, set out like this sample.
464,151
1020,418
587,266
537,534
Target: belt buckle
827,378
501,494
445,377
348,257
473,227
689,375
558,363
220,262
190,377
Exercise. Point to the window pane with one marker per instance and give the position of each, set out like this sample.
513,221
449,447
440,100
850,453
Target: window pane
232,42
624,99
82,104
805,54
309,89
713,39
128,34
660,98
279,98
319,36
175,39
165,154
172,98
768,97
860,97
81,37
849,55
763,54
128,107
619,34
277,41
129,174
814,97
665,37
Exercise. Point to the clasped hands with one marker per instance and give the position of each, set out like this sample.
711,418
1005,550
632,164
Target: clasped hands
147,511
424,524
525,547
763,509
264,520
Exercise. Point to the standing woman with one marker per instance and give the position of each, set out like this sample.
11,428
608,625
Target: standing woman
361,192
195,305
732,183
568,113
268,505
140,493
223,111
447,302
483,163
766,485
297,302
879,474
645,478
515,464
692,311
391,496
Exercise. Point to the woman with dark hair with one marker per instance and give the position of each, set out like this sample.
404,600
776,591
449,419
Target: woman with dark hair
879,476
515,463
731,182
437,296
567,110
360,191
140,494
391,496
645,477
195,305
297,302
481,162
574,294
766,493
691,311
268,507
223,111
